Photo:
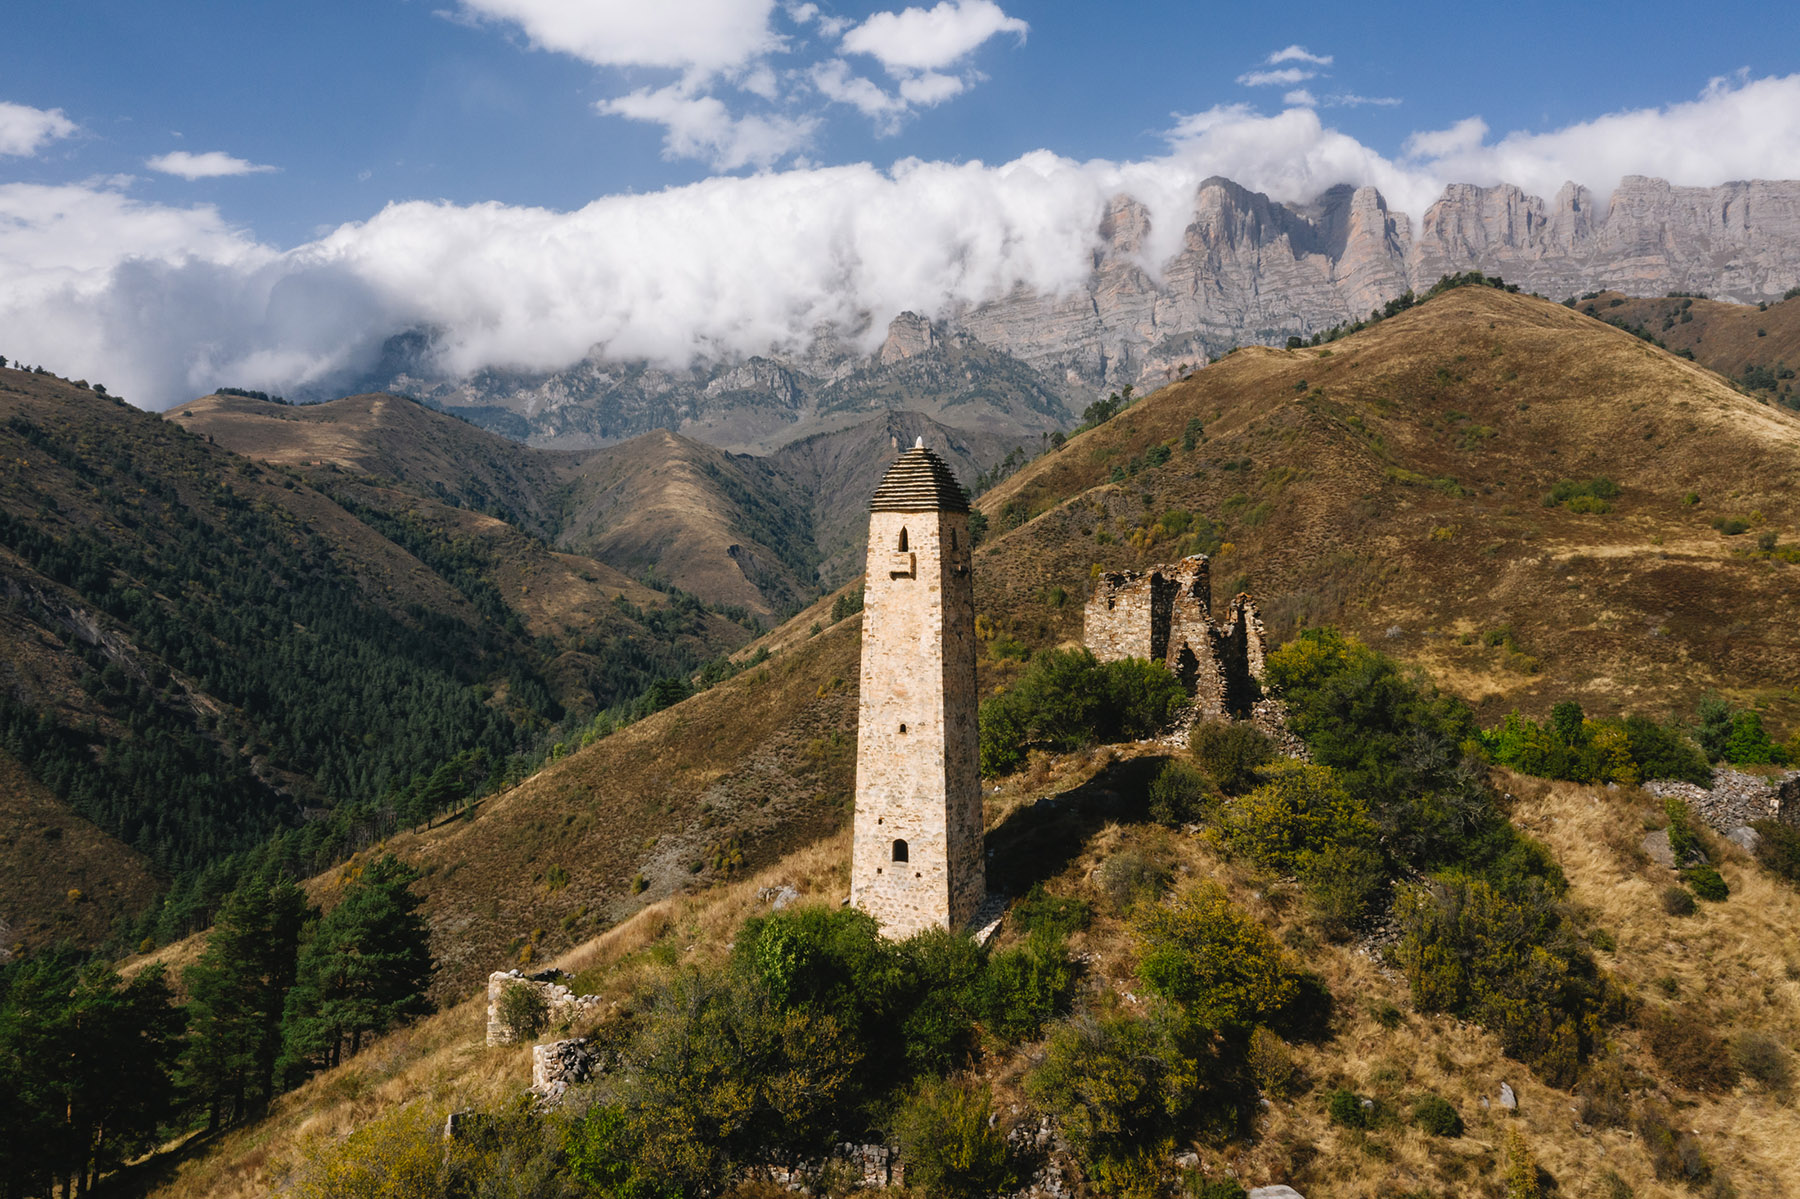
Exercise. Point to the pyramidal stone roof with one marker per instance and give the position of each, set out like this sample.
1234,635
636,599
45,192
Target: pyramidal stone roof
919,481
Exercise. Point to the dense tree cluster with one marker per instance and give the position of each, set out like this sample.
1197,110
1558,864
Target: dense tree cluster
95,1069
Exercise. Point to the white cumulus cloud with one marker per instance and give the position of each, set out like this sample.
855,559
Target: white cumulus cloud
1297,54
24,130
162,303
703,36
930,39
701,126
1285,77
213,164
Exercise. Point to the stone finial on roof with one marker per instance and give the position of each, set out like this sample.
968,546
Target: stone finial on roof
919,481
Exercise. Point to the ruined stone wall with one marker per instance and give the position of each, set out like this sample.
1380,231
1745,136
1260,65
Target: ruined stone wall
563,1005
1128,615
918,778
1165,615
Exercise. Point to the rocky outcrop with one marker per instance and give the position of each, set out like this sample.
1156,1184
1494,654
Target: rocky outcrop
908,336
1250,269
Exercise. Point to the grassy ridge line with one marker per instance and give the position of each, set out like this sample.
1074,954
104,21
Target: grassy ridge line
1395,481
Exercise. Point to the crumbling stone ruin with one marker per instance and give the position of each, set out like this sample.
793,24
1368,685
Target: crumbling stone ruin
558,1065
562,1006
1165,615
916,850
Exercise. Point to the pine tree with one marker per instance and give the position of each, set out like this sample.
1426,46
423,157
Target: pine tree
86,1072
365,969
237,992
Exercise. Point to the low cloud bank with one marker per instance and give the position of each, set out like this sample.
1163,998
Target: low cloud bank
163,303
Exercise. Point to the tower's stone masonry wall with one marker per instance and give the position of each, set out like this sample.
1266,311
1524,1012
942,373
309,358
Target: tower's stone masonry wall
1165,615
918,777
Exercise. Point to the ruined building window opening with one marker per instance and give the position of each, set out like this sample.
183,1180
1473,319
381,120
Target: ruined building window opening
900,851
903,547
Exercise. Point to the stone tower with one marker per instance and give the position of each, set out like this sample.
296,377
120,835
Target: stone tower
916,859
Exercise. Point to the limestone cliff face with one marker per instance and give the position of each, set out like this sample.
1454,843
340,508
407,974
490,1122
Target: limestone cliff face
1250,269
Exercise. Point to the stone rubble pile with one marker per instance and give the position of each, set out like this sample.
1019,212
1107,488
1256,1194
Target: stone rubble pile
1737,798
558,1065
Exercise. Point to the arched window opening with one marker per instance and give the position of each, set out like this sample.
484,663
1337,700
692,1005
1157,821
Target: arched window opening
903,545
903,728
899,851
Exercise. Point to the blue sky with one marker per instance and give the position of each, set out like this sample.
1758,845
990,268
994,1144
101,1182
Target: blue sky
234,164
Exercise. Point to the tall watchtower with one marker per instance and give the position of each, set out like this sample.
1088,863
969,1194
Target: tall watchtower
916,856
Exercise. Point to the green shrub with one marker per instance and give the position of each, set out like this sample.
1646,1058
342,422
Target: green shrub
1678,901
1663,752
1437,1116
1748,743
1778,849
1521,1176
1396,744
950,1147
1206,954
1684,843
1761,1056
721,1077
1122,1088
1511,963
1706,883
1026,985
523,1010
1345,1108
1058,914
1589,496
1343,882
1180,794
1271,1064
936,993
1298,813
1231,752
1067,698
1217,1188
1129,878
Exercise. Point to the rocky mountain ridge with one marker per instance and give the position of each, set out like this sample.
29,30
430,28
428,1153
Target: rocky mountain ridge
1249,270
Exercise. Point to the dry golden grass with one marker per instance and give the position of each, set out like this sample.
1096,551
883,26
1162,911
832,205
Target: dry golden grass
1722,337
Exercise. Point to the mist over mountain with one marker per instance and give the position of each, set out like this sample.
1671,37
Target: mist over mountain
1237,267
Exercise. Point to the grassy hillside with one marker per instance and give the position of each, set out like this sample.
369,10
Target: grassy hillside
1061,824
67,880
1528,504
1398,482
1757,347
